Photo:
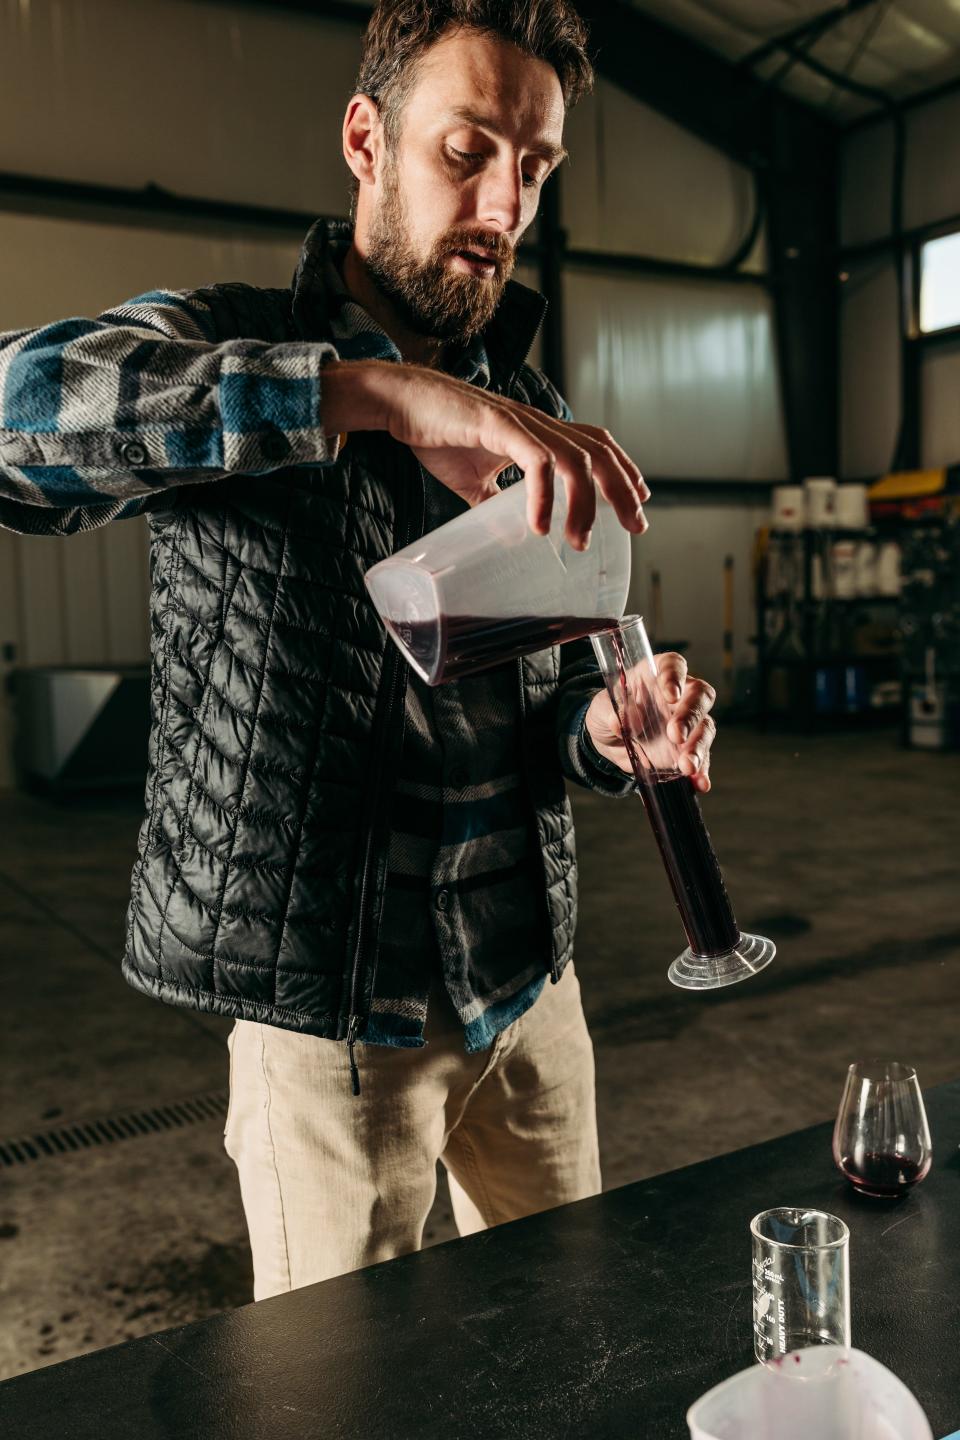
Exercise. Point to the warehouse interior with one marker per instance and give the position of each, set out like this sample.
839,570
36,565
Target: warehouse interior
752,263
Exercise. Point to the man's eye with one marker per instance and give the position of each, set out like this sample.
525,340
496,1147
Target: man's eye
468,155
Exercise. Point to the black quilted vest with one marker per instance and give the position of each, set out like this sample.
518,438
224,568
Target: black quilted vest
277,712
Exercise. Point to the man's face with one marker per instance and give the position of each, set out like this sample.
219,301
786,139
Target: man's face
479,133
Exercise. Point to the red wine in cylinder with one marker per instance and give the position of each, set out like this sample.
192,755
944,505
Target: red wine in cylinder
883,1174
469,643
673,809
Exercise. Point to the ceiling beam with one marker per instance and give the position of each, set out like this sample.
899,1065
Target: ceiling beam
809,31
691,85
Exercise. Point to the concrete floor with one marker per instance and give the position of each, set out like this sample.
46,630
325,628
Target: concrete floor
843,848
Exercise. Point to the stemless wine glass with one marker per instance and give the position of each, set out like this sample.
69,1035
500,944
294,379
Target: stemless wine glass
881,1141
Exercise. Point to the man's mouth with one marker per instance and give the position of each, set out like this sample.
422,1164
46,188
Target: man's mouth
476,262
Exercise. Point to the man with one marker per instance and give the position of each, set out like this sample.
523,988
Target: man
331,850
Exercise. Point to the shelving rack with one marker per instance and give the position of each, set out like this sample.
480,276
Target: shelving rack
813,643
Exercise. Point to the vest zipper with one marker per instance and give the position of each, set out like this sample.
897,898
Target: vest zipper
554,969
375,790
393,660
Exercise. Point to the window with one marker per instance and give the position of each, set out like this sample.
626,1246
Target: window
940,283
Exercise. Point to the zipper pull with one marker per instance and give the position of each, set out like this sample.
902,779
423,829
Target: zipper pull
352,1026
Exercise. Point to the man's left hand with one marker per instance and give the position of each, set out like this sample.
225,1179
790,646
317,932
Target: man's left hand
691,727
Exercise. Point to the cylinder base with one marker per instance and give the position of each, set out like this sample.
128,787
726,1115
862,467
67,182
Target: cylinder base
710,972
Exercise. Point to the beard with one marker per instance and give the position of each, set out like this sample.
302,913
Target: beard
431,299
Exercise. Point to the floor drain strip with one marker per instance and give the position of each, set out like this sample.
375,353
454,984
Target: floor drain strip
109,1129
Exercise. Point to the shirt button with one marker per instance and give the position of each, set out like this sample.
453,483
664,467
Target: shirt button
274,445
443,899
133,453
459,776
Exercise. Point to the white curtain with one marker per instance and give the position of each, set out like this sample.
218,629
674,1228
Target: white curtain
682,371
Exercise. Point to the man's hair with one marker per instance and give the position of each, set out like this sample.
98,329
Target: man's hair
401,30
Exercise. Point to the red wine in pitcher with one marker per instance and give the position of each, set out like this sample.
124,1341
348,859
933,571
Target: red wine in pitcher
469,643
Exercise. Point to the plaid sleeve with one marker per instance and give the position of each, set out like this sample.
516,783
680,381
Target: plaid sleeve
99,415
580,679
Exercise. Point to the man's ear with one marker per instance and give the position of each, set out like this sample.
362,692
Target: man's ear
363,138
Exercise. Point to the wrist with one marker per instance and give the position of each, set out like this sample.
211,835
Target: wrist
352,395
593,745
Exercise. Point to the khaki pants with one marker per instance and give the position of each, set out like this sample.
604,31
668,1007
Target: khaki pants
331,1181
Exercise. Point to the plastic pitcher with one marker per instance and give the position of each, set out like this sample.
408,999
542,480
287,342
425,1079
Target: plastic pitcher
484,588
825,1393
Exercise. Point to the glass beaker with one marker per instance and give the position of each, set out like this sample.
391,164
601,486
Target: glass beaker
881,1141
718,953
483,588
801,1281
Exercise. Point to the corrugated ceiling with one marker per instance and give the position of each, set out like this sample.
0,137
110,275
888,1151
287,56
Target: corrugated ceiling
900,47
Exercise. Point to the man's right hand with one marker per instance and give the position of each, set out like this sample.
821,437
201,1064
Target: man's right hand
466,436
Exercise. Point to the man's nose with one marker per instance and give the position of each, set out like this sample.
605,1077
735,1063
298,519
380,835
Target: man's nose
500,201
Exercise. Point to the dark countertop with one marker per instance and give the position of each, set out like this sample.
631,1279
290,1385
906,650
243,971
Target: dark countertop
606,1318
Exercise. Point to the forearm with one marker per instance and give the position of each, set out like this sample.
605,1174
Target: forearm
353,396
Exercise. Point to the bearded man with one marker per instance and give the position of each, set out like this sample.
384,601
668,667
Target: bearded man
376,880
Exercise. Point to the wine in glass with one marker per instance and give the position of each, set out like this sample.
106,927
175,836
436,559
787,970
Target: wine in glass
881,1141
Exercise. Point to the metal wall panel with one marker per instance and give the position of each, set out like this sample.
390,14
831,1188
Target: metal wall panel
941,406
683,373
869,370
125,560
931,172
230,102
56,267
866,181
638,184
932,176
41,597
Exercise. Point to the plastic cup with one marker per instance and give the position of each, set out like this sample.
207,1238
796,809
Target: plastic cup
821,1394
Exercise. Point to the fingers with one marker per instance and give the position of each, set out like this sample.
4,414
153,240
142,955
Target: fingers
504,433
697,700
585,457
671,675
542,455
606,464
694,757
574,465
618,478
